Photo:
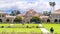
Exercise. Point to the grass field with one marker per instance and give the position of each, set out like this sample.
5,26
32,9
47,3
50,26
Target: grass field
22,28
55,26
26,30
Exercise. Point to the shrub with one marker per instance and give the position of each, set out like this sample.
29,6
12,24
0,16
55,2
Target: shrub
18,19
35,19
27,26
2,26
37,27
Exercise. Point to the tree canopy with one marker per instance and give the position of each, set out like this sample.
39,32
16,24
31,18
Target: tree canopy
46,13
52,3
18,19
15,12
35,19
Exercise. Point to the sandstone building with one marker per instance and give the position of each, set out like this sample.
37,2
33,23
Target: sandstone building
54,17
6,17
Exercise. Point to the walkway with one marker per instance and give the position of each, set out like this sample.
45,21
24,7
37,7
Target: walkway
44,31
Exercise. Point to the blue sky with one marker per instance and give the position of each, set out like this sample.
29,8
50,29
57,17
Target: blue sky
23,5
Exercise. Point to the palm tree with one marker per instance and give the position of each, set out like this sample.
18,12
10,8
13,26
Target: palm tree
52,4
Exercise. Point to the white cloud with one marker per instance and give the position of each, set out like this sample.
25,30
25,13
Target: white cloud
25,4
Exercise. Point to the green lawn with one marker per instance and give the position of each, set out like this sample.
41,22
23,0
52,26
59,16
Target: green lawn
27,30
55,26
20,29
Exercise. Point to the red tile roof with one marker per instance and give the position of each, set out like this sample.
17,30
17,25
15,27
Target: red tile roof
31,11
56,12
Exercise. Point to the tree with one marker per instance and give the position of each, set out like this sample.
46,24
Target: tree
12,13
49,13
35,19
18,12
15,12
18,19
45,13
52,4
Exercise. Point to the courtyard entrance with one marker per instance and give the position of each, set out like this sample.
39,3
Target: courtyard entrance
55,20
7,20
48,20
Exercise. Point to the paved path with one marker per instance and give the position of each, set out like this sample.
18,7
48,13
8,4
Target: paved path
44,30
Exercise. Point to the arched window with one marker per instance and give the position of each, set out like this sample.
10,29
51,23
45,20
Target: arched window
55,20
48,20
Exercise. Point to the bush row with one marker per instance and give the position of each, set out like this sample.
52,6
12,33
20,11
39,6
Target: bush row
20,27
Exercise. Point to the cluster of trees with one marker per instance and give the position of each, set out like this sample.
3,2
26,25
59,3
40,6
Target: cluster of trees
33,19
46,13
15,12
18,19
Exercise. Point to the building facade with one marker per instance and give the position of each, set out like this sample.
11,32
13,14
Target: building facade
54,17
28,15
4,17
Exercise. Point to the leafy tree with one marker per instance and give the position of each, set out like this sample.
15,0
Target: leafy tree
18,12
46,13
15,12
18,19
12,13
35,19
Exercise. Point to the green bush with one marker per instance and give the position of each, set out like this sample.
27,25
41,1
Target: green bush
2,26
37,27
35,19
18,19
27,26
